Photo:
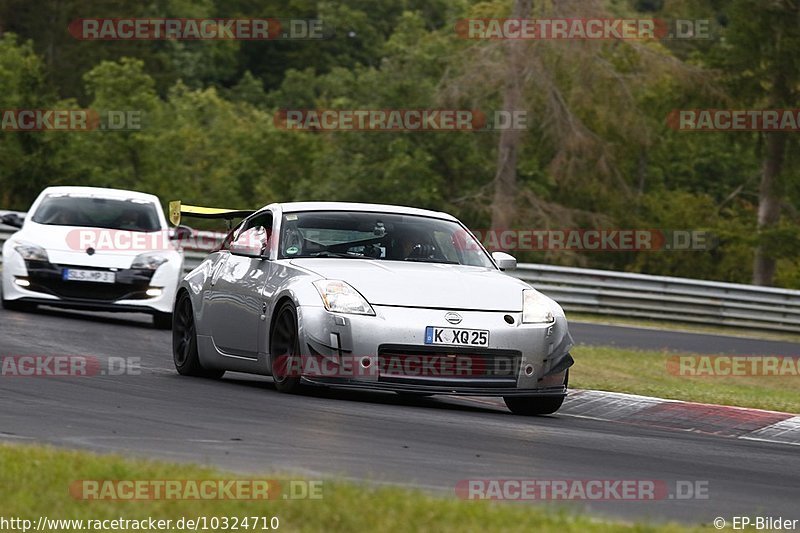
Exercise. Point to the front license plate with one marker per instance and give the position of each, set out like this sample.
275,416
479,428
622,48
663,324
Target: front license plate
456,336
98,276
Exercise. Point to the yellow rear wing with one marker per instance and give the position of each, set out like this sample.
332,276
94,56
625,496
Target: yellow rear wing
176,210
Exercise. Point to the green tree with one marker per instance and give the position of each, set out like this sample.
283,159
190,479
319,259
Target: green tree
112,158
760,58
26,162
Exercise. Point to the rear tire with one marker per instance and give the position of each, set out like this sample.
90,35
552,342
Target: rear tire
184,342
284,350
535,405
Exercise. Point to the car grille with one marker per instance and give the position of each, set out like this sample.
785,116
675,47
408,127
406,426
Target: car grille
448,366
130,284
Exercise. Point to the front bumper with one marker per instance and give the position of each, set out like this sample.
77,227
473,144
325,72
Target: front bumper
46,286
558,392
521,359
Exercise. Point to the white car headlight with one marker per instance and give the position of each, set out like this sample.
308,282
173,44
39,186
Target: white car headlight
536,308
31,252
340,297
149,260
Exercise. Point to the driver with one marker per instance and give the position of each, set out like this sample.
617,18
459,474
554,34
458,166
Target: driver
416,245
129,219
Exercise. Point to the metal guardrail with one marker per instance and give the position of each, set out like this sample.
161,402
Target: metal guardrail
622,294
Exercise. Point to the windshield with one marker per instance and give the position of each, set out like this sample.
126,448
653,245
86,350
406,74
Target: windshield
379,237
93,212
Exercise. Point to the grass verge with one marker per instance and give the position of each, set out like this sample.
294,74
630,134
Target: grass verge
35,481
645,372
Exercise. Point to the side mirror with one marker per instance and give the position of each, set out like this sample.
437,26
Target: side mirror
504,261
253,242
12,219
181,233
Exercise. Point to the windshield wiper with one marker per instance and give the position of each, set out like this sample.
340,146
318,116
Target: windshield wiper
328,253
430,260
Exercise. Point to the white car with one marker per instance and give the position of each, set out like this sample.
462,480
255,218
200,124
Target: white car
96,249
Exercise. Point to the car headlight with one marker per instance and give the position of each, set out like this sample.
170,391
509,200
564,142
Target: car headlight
149,260
340,297
31,252
536,308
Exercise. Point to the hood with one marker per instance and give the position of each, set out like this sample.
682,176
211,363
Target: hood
113,248
427,285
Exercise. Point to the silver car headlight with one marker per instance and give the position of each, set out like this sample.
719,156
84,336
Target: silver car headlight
536,308
340,297
149,260
31,252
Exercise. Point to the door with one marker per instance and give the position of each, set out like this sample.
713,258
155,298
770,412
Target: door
237,301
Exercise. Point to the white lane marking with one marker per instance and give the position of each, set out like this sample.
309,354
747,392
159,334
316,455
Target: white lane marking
15,437
786,432
771,441
607,405
616,407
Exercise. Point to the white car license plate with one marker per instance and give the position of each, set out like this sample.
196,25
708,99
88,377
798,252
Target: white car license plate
98,276
456,336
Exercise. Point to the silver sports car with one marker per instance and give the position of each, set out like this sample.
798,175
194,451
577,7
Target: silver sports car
373,297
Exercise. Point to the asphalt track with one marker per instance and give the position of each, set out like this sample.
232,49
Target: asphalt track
241,423
703,343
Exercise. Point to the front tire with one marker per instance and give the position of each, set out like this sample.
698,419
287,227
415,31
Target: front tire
533,405
184,342
284,350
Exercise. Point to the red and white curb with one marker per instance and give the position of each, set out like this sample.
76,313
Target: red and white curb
737,422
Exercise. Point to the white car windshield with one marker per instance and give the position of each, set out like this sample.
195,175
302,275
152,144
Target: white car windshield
96,212
379,236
